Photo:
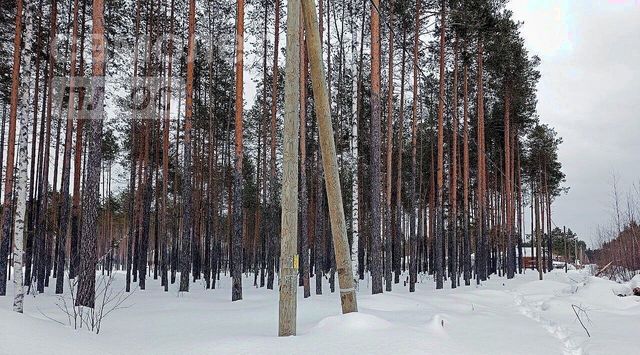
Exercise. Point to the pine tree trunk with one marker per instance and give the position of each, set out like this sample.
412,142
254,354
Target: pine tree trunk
547,205
75,212
91,202
388,212
360,148
2,129
481,241
132,157
272,232
187,225
520,207
508,186
165,159
398,240
374,169
31,178
319,224
413,245
466,244
536,202
66,163
45,143
453,254
236,268
439,255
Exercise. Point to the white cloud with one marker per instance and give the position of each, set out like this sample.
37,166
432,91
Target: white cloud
590,92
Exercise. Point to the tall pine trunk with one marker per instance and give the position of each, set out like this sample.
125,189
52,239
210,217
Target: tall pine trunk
66,162
75,211
388,250
187,225
453,254
374,169
91,195
508,186
413,241
466,243
272,232
236,267
481,241
439,257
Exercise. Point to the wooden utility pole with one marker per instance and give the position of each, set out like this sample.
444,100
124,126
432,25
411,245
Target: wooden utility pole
329,159
289,200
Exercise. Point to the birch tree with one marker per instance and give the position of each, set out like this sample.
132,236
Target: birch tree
21,183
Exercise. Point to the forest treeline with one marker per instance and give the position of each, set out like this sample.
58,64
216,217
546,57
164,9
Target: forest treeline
433,105
618,242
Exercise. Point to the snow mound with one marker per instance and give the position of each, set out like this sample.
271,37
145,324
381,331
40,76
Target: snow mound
353,321
622,290
635,282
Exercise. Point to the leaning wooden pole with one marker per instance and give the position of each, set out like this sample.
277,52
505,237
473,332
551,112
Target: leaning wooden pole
329,159
289,199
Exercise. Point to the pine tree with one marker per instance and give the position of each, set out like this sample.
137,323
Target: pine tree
439,255
236,267
90,203
66,162
376,245
187,224
413,245
388,212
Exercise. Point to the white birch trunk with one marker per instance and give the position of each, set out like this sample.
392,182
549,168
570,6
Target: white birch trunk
354,154
21,183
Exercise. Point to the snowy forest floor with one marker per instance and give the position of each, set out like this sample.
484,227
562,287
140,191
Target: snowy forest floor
518,316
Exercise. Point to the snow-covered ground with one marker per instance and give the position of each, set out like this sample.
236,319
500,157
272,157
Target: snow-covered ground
519,316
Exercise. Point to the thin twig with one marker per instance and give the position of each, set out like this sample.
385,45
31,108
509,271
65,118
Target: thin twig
573,306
